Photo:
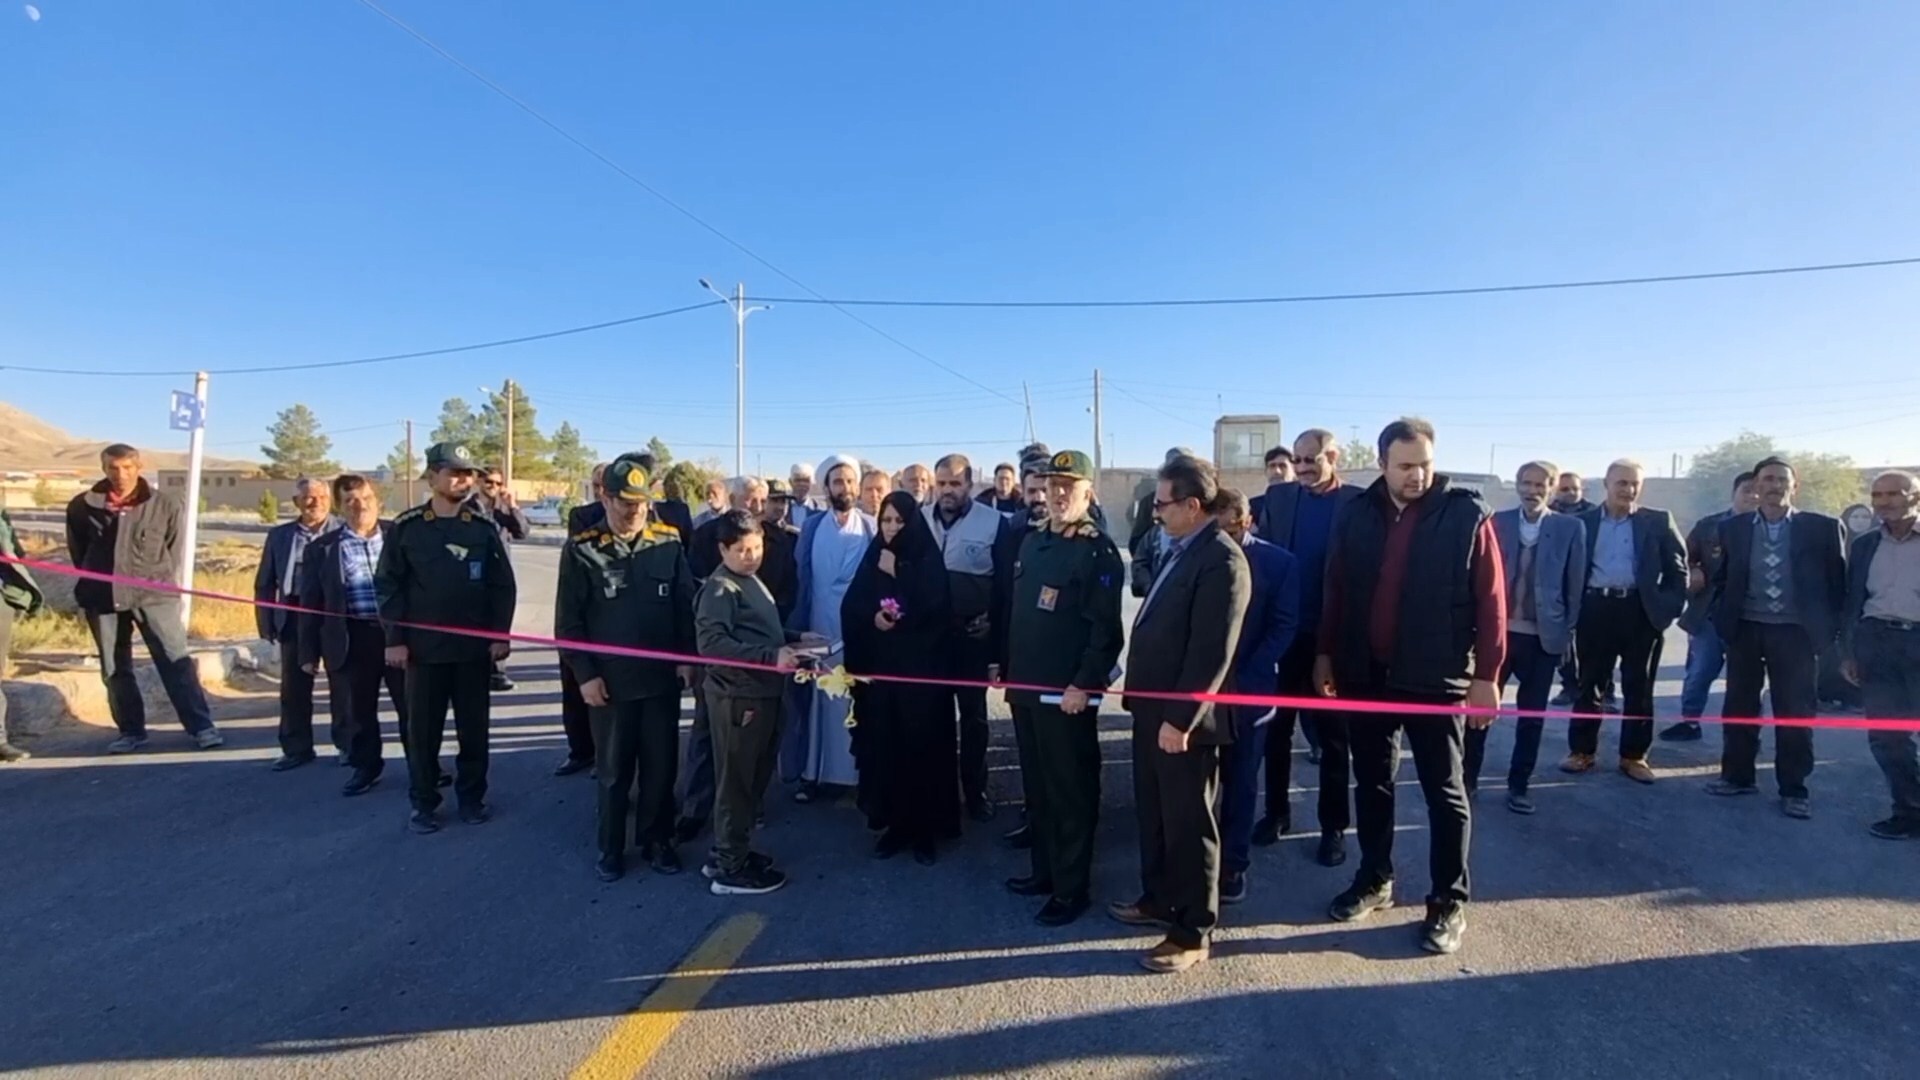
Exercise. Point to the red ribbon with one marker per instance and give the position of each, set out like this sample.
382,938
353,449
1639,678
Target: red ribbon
1255,701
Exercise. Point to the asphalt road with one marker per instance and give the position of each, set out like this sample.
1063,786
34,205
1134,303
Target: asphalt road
193,915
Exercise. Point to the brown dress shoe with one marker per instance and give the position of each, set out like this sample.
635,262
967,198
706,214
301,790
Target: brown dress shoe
1136,914
1637,770
1577,763
1167,957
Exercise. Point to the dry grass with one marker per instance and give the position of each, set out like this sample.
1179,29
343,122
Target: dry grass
219,620
223,567
51,631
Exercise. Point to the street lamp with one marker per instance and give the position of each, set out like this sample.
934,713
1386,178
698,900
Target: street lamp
738,302
506,467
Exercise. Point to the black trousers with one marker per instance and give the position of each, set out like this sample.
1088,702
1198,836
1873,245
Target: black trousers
1615,629
296,700
431,688
1889,660
1437,743
639,747
701,774
356,696
1063,796
573,717
970,660
1336,778
1780,656
1173,796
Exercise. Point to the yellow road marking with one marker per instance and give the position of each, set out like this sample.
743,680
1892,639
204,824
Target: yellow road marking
634,1041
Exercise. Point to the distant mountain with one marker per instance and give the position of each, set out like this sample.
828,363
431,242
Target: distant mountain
28,443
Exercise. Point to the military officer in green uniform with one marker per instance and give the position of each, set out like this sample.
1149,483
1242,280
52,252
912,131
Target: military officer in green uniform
1065,631
444,565
626,582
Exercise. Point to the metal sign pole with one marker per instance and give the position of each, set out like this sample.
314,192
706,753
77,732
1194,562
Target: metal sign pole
191,414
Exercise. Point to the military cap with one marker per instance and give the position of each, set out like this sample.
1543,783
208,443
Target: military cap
627,480
1071,463
450,455
778,488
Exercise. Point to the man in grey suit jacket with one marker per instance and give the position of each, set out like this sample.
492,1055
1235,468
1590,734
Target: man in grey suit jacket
1183,641
1544,556
1636,586
278,582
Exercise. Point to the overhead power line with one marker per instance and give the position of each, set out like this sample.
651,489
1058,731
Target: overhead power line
1321,298
816,296
448,350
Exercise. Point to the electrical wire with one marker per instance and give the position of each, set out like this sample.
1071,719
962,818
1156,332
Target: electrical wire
1321,298
474,347
618,169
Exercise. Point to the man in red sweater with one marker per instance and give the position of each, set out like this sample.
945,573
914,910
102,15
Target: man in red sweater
1414,612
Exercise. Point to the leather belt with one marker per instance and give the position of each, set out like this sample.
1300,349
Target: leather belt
1892,624
1617,594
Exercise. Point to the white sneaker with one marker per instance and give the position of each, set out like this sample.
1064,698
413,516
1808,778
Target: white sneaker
209,738
126,744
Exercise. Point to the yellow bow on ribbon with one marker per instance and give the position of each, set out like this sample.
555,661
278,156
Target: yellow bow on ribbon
835,683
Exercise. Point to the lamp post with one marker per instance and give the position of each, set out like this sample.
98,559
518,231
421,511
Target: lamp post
506,467
738,302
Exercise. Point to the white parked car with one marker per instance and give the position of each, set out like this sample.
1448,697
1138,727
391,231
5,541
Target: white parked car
544,512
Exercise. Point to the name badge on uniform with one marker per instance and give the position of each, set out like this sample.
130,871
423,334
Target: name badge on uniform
476,571
616,580
456,551
1049,597
666,590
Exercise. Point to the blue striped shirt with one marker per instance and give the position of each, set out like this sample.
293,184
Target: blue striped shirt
358,557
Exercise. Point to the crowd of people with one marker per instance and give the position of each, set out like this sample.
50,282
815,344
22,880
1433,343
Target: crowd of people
842,627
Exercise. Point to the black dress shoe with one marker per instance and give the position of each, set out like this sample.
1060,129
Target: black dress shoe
1029,886
291,761
475,814
1058,912
572,765
1333,849
686,829
1020,839
423,822
499,681
610,868
980,809
1684,731
1268,830
665,860
360,782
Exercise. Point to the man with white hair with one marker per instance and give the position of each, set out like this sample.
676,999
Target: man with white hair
800,480
1880,641
817,747
1636,586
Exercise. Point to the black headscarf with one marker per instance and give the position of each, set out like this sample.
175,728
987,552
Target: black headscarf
918,584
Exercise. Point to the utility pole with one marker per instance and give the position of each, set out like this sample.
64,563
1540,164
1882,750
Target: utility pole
1096,427
738,303
1028,395
506,469
190,533
409,466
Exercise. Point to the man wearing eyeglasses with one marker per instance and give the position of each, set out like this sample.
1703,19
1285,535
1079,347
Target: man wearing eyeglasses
496,500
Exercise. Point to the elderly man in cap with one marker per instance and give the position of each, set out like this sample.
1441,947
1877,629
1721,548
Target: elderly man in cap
781,536
444,565
627,583
805,504
1064,631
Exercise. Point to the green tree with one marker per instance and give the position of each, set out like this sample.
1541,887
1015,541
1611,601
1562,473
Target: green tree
687,481
44,495
457,424
530,448
298,449
403,463
662,456
1828,483
269,507
571,459
1359,454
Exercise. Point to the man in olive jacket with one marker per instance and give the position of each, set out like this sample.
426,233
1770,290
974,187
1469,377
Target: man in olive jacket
1183,642
124,527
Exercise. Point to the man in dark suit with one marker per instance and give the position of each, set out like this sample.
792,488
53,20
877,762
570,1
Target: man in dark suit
1880,641
574,718
1183,642
1299,517
1636,585
1706,653
1146,541
336,578
1780,594
1279,462
1273,614
278,581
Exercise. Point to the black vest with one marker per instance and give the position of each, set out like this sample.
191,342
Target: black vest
1433,641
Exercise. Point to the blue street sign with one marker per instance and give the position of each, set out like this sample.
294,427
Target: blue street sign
187,413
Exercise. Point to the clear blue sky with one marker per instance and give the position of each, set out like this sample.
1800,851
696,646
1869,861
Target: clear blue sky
191,185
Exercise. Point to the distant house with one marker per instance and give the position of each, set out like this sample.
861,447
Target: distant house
228,489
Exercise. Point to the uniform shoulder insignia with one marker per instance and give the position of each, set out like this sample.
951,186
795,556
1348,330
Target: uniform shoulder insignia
466,515
585,536
416,514
657,530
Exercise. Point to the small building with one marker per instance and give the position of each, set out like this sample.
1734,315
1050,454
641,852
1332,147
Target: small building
1242,442
227,489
